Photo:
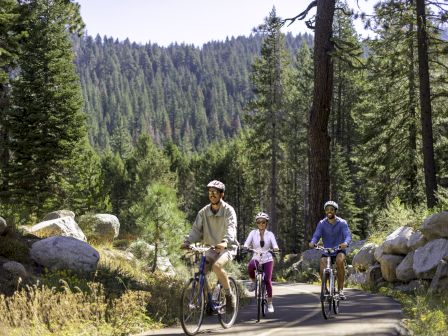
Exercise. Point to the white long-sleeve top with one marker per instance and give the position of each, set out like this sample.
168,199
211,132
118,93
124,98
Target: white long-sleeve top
253,240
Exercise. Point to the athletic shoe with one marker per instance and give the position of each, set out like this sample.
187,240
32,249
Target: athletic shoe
341,295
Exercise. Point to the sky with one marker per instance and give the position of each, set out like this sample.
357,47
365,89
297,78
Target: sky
190,21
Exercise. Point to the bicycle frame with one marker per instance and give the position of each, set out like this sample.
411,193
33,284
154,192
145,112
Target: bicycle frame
201,277
197,299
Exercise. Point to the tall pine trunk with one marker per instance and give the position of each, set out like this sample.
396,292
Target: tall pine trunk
319,140
425,106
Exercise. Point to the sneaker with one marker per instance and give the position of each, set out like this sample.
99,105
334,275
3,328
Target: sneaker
251,287
230,303
342,295
270,307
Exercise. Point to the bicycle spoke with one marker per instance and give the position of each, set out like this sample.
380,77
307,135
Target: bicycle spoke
228,319
193,301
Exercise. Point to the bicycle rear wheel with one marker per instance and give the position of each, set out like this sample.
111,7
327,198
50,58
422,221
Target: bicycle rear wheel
228,319
326,299
193,302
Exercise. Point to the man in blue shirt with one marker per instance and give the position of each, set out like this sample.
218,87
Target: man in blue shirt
334,232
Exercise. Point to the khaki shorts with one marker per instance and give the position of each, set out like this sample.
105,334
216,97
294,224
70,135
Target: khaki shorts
217,258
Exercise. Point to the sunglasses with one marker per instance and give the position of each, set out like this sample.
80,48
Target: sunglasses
261,222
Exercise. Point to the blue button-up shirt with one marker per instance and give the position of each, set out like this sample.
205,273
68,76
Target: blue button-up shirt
332,234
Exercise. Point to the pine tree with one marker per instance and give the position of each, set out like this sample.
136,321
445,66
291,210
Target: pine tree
46,122
268,116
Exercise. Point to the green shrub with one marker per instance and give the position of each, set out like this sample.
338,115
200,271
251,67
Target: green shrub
14,249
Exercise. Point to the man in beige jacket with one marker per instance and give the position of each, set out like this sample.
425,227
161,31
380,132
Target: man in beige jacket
215,225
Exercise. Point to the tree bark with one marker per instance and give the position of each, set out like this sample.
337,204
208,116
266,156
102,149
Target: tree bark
319,140
425,106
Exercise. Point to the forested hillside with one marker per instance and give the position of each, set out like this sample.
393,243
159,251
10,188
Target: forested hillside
181,93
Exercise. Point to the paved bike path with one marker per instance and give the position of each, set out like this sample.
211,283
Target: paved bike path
298,312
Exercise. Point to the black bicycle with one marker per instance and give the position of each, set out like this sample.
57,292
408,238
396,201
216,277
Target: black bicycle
198,298
329,297
260,284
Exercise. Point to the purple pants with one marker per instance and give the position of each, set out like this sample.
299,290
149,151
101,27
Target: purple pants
267,268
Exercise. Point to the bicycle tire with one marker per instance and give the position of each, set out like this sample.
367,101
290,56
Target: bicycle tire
326,299
259,296
263,299
192,307
335,297
227,320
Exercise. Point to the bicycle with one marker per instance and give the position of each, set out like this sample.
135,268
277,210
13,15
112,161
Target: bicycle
329,298
197,298
260,285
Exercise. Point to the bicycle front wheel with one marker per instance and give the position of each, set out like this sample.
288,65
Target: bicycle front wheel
259,296
227,319
193,302
326,299
263,299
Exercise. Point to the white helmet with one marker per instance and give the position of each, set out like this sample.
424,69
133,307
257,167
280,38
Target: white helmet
262,215
331,203
216,184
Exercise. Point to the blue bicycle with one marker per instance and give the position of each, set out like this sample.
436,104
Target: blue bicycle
198,298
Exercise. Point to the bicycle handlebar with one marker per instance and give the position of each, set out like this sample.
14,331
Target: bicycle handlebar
248,249
328,250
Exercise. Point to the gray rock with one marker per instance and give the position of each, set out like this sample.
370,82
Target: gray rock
374,274
311,259
439,282
63,226
426,258
364,258
389,265
378,254
416,240
436,226
397,241
405,271
16,269
65,253
102,228
59,214
3,225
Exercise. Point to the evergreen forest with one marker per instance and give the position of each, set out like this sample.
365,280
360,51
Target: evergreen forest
98,125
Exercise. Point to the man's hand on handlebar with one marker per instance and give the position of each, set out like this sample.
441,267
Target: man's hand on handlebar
185,245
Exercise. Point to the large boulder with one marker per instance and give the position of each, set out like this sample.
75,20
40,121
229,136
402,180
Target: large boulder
436,226
379,252
101,228
3,225
405,271
389,263
439,282
164,265
311,259
397,241
416,240
65,253
426,258
59,214
16,269
364,258
63,226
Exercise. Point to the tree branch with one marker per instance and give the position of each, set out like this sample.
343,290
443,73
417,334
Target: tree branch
302,15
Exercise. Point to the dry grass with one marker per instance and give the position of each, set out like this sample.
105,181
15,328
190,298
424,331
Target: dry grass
40,311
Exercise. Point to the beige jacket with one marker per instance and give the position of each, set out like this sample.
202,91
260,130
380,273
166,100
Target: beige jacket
213,229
